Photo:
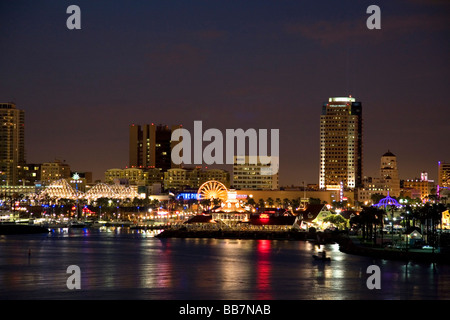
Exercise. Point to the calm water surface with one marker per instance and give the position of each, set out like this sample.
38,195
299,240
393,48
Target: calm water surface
124,264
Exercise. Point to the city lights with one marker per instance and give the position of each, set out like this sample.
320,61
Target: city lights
237,151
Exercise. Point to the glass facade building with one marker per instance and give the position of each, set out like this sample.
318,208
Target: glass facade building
12,143
341,144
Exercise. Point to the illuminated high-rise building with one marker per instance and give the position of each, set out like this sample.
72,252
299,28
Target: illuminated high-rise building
444,175
150,146
12,143
389,173
341,144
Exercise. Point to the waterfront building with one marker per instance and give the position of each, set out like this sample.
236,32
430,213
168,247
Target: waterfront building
364,195
446,220
51,171
273,221
18,191
125,176
150,146
71,189
192,178
154,176
387,183
269,197
87,175
12,143
77,182
176,179
247,174
313,213
444,175
30,174
269,220
135,176
425,186
341,144
389,173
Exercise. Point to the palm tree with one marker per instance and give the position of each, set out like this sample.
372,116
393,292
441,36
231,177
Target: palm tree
370,217
286,203
217,202
295,203
436,220
251,202
424,215
278,202
261,204
206,203
409,216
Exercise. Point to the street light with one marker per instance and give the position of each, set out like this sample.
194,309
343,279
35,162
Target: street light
76,179
392,223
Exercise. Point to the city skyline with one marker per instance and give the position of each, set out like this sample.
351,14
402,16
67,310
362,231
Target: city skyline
241,65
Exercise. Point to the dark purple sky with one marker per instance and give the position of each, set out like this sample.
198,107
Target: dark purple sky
232,64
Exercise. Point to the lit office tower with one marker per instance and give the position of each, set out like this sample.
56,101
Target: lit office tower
12,143
389,173
341,144
443,175
150,146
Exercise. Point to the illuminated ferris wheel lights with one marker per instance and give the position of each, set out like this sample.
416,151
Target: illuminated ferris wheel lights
212,190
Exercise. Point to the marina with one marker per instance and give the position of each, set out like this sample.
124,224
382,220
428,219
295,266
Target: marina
121,263
207,230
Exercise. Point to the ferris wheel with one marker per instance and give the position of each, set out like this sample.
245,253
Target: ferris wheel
212,190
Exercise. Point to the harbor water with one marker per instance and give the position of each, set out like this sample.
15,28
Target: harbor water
119,263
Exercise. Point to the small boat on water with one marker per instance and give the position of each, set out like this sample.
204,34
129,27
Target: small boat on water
78,224
18,228
322,257
99,224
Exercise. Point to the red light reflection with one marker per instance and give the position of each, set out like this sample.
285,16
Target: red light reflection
263,269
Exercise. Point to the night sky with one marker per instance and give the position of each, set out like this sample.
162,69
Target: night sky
232,64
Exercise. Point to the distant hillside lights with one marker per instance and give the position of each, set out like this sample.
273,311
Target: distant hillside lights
213,152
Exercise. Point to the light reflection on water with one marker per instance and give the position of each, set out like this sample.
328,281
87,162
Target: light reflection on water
125,264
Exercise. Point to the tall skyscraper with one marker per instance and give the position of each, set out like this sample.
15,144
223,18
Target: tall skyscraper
12,143
150,146
341,144
444,175
389,173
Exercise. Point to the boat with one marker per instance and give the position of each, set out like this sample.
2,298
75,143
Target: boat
20,228
321,257
53,224
78,224
99,224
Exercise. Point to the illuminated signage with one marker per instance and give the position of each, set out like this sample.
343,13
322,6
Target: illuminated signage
187,196
264,216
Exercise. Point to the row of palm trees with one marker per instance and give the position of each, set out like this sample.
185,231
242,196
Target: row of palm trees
278,202
428,218
101,206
